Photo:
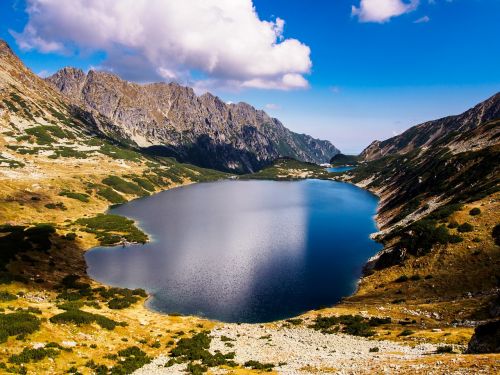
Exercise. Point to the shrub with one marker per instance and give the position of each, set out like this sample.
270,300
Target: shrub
42,134
196,369
110,229
196,348
68,152
56,206
374,350
80,317
398,301
475,211
295,322
256,365
118,152
422,236
71,305
78,196
444,349
132,358
143,183
406,332
18,323
33,355
351,324
124,186
445,211
111,195
465,227
375,321
122,303
453,224
402,279
70,236
6,296
415,277
455,238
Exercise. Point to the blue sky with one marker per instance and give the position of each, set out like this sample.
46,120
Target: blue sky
346,76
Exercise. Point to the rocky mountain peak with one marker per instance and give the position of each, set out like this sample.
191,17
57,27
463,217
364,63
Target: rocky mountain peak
445,132
5,49
200,129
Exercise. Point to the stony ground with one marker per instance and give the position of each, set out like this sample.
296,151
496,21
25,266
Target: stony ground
302,350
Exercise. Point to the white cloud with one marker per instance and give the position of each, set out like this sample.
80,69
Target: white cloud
382,10
423,19
272,106
221,40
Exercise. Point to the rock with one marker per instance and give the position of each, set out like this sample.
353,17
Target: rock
435,132
486,338
171,120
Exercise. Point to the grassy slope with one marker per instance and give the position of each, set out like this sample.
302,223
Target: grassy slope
462,278
46,153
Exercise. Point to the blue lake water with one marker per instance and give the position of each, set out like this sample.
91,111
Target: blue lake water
244,251
343,168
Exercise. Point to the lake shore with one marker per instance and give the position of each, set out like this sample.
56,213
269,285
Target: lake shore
149,327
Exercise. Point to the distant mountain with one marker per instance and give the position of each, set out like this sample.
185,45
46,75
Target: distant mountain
169,119
448,131
341,159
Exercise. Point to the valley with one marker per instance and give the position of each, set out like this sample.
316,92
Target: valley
64,160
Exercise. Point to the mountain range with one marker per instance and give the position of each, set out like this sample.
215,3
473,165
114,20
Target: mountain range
171,120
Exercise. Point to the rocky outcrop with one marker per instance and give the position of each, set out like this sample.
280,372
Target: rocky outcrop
447,131
486,338
172,120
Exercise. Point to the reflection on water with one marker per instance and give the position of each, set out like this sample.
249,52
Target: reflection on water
249,251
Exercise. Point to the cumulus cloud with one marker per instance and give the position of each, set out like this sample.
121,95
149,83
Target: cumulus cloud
382,10
223,41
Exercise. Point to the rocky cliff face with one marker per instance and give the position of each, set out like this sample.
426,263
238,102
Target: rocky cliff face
447,131
172,120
